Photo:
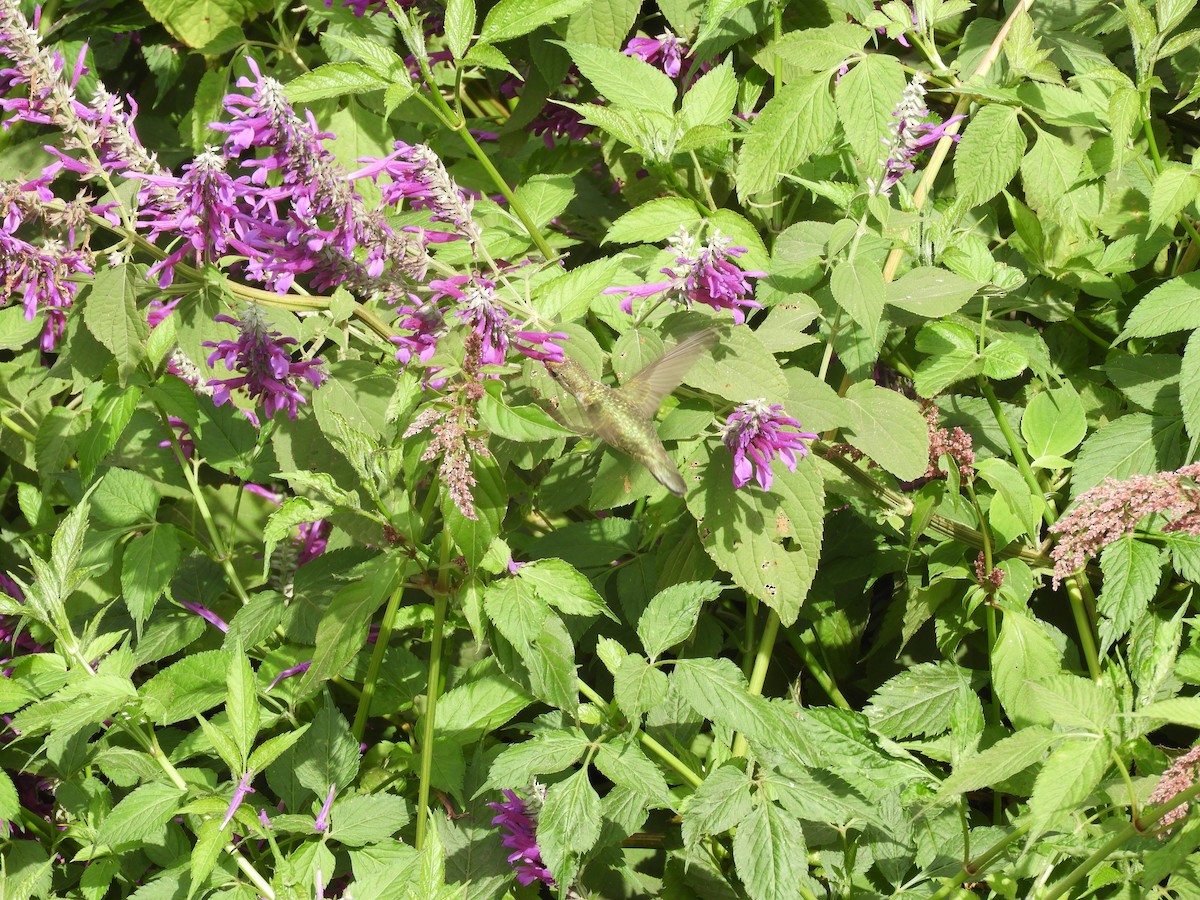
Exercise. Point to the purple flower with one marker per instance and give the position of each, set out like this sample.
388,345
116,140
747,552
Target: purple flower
515,816
266,368
201,206
321,822
666,50
701,274
239,793
206,614
755,435
313,538
289,672
911,134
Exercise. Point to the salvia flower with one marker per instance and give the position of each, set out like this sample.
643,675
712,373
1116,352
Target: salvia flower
239,794
321,822
665,51
911,133
756,433
290,672
519,818
265,366
1113,509
206,614
1177,779
703,273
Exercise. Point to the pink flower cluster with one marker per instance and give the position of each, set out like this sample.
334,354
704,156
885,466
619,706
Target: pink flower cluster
756,433
515,816
1177,779
1114,509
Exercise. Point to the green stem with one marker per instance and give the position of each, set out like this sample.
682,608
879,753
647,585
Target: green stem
376,663
973,868
440,598
646,741
803,645
1136,827
758,677
16,429
1083,625
708,197
210,526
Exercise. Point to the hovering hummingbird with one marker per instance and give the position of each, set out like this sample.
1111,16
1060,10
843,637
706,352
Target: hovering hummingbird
624,416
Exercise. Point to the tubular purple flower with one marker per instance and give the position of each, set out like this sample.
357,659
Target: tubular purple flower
267,368
321,822
206,614
313,538
701,274
289,672
755,434
239,794
520,821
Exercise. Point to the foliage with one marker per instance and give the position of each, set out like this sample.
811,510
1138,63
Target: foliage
745,449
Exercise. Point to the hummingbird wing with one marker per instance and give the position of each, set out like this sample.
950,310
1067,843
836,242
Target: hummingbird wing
645,391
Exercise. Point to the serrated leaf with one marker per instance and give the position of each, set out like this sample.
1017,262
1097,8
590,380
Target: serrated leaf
518,423
866,97
140,814
626,81
638,687
1023,653
930,292
791,127
989,154
564,587
1170,307
1054,422
889,428
148,564
654,220
459,25
1001,761
547,754
570,817
112,413
721,802
1189,386
334,80
1071,773
770,853
816,49
624,763
512,18
671,614
112,316
917,701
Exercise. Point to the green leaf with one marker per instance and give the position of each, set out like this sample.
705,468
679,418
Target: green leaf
671,614
547,754
210,841
889,428
626,81
819,50
710,99
1054,423
1177,710
367,819
113,410
638,687
738,368
654,220
1173,189
342,631
951,357
769,542
717,689
198,22
512,18
918,701
1013,489
1049,171
570,296
327,754
1134,444
1024,652
564,587
480,703
770,853
606,24
141,814
623,762
858,288
10,806
1170,307
716,12
242,703
459,25
1001,761
1132,571
793,125
989,154
517,423
334,80
866,97
1189,385
281,524
930,292
272,748
722,801
570,816
551,662
186,688
148,564
1071,773
112,316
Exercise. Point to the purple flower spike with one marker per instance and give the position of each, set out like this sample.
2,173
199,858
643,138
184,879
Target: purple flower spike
755,435
665,51
702,274
266,368
321,822
515,816
911,134
239,794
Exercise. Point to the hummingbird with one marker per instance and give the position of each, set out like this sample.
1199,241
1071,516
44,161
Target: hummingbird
623,417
